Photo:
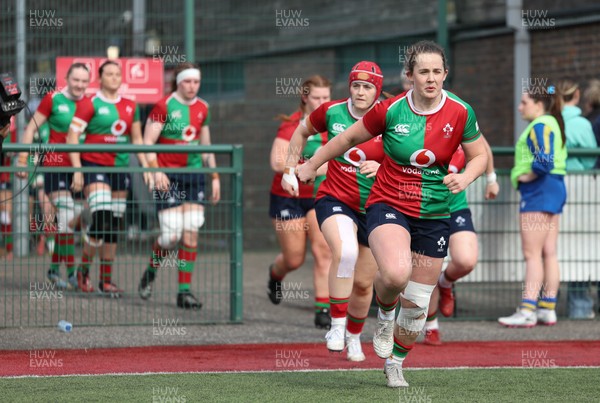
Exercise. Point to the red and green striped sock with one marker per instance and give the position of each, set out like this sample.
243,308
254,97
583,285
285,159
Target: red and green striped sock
400,350
66,251
106,270
187,257
431,316
354,324
387,308
431,322
6,230
321,303
339,306
86,262
55,260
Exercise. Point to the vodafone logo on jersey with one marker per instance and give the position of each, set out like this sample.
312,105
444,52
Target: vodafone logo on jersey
422,158
119,127
188,133
355,156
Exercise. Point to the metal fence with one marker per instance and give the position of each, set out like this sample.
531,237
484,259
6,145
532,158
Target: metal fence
28,299
495,285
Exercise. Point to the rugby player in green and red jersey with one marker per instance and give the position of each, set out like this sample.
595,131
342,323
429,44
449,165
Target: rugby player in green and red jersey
181,118
407,210
106,118
462,246
340,207
294,218
57,109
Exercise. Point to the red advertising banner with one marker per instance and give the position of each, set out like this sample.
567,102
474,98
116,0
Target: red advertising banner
142,77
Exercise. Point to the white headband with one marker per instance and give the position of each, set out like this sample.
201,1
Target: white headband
188,73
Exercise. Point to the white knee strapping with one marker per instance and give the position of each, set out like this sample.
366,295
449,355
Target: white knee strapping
65,212
418,293
193,220
349,245
5,218
413,319
171,228
100,200
408,318
118,207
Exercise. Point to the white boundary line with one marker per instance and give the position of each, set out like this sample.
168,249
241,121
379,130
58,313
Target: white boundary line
300,370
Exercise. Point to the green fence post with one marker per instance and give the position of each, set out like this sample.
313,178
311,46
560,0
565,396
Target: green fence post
237,250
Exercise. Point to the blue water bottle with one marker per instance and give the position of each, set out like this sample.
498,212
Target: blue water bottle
65,326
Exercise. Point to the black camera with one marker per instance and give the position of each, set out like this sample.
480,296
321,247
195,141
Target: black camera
10,102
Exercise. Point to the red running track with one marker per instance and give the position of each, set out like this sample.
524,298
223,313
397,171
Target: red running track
286,357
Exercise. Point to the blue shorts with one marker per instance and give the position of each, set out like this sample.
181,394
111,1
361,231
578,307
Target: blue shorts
5,185
55,181
183,188
116,181
328,206
289,208
461,221
427,237
547,194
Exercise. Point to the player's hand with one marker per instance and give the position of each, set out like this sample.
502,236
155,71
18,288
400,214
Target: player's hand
216,190
77,182
149,179
491,190
456,183
161,181
22,162
306,173
369,168
289,182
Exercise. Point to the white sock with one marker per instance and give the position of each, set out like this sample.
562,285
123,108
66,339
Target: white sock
352,335
443,281
394,359
431,325
338,322
389,315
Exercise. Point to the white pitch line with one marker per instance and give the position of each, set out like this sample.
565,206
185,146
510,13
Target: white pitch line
299,370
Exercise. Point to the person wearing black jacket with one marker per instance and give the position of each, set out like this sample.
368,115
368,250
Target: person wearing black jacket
4,131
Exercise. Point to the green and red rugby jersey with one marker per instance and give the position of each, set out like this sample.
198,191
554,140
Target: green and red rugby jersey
418,147
59,108
313,143
182,123
106,121
344,181
458,201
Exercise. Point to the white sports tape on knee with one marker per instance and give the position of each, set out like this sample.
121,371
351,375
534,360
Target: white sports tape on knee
171,228
349,245
193,220
65,212
5,218
418,293
118,207
100,200
409,318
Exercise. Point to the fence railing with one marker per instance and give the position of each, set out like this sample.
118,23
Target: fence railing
492,289
28,299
